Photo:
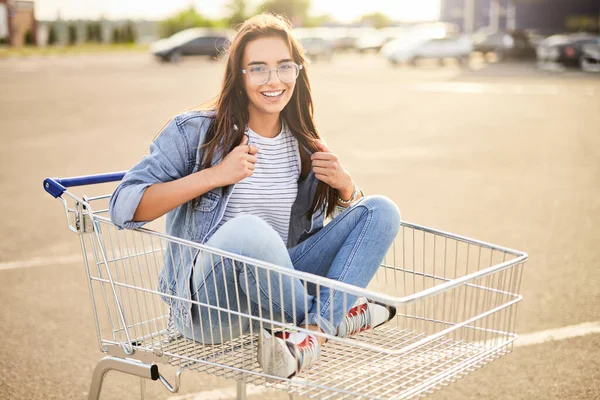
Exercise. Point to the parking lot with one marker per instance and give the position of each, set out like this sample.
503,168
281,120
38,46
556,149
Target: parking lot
503,153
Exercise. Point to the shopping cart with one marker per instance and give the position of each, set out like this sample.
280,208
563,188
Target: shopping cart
456,300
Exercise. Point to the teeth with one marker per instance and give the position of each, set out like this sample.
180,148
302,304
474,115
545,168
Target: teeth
272,94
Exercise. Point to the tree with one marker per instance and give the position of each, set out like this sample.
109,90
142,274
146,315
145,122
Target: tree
116,35
377,20
29,38
89,32
129,34
184,20
315,22
72,34
295,10
52,35
239,12
98,32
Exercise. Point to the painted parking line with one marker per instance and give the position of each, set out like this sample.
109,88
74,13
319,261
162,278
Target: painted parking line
551,335
528,339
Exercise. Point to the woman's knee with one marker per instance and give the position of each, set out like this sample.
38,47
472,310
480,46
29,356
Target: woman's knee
384,211
250,236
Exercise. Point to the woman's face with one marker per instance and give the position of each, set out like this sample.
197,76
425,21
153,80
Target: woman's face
270,97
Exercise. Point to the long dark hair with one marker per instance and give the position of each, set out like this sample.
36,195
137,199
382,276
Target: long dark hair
231,105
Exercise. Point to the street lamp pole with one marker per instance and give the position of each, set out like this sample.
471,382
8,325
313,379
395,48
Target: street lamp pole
494,15
469,16
511,15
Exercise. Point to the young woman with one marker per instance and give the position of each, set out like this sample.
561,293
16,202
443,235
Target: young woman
250,175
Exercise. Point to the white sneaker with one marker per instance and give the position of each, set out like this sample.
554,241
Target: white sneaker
285,354
365,315
171,332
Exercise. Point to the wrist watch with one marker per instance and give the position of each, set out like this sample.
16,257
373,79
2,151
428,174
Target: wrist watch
352,198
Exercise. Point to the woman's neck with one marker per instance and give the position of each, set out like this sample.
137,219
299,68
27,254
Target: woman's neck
267,125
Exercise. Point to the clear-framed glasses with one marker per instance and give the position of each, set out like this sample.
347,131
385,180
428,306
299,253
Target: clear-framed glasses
260,74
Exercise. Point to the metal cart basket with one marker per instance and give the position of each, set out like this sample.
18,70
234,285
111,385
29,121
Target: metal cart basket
456,300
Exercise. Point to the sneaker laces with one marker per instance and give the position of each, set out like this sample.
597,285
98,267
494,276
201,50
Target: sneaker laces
306,352
310,352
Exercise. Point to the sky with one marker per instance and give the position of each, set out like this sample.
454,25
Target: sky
342,10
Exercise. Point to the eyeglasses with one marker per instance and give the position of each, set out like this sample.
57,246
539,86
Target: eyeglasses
259,74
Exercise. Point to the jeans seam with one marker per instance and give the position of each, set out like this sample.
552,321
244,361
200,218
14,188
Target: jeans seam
350,257
329,226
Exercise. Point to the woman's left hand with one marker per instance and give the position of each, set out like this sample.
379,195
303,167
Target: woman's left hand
327,168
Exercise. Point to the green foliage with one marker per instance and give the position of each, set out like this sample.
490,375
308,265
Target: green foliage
124,34
89,32
29,40
315,22
129,34
295,10
72,34
377,20
93,32
52,35
116,34
238,10
184,20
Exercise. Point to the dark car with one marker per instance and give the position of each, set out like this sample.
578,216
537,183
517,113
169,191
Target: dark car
565,49
191,42
590,57
506,44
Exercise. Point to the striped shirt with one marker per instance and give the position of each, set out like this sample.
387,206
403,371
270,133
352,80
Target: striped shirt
271,190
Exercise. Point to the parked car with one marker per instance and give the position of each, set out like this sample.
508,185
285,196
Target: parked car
372,41
411,49
190,42
505,44
565,50
317,48
590,57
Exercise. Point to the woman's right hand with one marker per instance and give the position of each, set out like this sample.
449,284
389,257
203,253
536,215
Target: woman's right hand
237,165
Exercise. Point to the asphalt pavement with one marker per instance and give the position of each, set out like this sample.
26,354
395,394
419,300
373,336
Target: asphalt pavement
502,153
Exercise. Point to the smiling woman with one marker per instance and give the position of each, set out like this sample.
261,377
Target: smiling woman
271,79
249,174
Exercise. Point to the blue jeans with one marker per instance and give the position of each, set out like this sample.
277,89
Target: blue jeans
349,249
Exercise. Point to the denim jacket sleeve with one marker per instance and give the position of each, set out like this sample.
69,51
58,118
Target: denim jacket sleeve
170,158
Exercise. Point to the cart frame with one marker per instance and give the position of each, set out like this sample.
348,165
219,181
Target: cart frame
449,322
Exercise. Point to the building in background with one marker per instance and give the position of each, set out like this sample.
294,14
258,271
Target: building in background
146,31
546,16
17,23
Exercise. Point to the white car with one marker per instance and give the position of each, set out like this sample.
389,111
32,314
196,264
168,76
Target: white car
317,48
412,48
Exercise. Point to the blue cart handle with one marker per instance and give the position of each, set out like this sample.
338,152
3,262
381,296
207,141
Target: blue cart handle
57,186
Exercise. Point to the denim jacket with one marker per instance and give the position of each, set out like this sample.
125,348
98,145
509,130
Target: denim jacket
176,153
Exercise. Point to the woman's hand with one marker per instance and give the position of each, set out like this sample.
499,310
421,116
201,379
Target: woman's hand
237,165
327,168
